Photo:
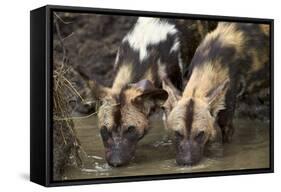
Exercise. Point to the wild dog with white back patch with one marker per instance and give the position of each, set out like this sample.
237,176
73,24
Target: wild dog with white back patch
148,54
202,116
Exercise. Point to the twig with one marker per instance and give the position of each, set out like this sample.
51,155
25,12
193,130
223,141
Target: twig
74,118
71,34
62,135
70,84
64,22
61,41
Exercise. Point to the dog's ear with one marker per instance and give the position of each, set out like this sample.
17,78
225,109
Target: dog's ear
173,93
98,91
148,96
216,98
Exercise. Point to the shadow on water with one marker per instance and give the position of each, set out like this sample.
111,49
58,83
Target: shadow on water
155,153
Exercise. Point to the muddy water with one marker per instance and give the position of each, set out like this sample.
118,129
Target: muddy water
155,153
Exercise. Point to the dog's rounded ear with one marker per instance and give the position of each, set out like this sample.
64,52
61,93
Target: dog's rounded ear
158,96
98,91
173,93
149,97
142,85
216,98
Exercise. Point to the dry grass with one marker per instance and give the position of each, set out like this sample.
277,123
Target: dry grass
63,89
67,148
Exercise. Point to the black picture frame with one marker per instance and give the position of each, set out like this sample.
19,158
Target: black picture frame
41,93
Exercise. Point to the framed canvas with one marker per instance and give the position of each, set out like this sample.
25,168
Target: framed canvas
121,95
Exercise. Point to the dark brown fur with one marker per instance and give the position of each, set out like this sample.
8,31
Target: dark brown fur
189,116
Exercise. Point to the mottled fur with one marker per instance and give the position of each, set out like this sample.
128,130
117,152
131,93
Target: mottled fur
150,51
148,54
226,56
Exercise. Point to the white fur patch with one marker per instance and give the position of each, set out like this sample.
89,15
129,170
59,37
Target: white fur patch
148,31
175,46
180,62
116,60
161,70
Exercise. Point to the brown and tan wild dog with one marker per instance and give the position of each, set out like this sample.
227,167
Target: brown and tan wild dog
202,116
148,53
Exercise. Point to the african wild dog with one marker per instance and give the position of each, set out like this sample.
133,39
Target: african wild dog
148,53
203,114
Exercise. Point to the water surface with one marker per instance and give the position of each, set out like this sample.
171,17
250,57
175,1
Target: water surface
155,153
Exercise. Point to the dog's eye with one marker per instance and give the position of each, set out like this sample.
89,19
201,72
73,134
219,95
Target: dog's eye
200,136
131,129
105,133
178,135
131,133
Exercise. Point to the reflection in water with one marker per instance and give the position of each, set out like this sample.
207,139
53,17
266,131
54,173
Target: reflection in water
155,153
